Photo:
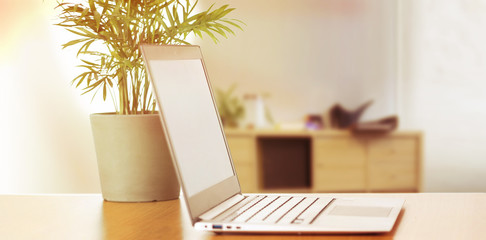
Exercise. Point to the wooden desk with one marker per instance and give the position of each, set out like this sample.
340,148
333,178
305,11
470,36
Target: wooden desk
425,216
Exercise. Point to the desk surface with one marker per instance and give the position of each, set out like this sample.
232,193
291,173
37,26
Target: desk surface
424,216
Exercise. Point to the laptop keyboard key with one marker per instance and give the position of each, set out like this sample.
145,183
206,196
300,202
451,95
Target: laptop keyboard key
232,211
261,217
296,210
237,212
255,209
282,210
312,211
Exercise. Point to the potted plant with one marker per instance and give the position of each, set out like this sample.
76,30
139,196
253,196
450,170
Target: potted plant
133,159
230,107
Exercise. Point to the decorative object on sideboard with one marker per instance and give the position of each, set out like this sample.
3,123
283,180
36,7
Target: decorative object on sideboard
257,114
230,107
381,125
109,34
343,118
314,122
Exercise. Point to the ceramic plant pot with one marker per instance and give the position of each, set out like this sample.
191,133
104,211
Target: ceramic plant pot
133,158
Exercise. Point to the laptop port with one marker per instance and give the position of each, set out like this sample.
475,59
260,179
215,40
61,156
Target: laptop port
228,227
217,226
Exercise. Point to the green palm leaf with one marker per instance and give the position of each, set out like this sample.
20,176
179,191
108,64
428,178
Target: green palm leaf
120,26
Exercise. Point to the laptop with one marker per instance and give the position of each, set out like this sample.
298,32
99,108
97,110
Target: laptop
206,173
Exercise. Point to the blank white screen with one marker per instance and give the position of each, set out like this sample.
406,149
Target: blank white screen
191,122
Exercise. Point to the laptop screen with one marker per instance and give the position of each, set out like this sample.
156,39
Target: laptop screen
192,123
192,126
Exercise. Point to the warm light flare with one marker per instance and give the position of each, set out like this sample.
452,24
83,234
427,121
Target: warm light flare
17,20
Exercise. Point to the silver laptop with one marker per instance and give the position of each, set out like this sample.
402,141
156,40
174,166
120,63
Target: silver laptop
207,175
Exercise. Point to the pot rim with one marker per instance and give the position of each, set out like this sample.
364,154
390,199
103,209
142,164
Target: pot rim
115,114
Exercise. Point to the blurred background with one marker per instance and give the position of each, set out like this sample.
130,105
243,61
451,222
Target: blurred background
422,60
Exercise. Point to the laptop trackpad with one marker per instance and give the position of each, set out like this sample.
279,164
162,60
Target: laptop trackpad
360,211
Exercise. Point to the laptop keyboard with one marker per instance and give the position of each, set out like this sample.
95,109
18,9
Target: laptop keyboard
274,209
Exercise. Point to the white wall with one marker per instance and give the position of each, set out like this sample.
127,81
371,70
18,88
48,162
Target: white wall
45,137
443,89
310,54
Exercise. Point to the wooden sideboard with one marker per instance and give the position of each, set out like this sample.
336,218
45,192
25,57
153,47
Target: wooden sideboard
337,161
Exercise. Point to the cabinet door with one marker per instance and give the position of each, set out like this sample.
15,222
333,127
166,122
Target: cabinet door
243,152
339,164
393,164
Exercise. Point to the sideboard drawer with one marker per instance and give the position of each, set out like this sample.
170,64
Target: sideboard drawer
339,152
243,149
339,180
392,150
392,177
244,154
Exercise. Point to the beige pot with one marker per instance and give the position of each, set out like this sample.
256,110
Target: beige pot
133,158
